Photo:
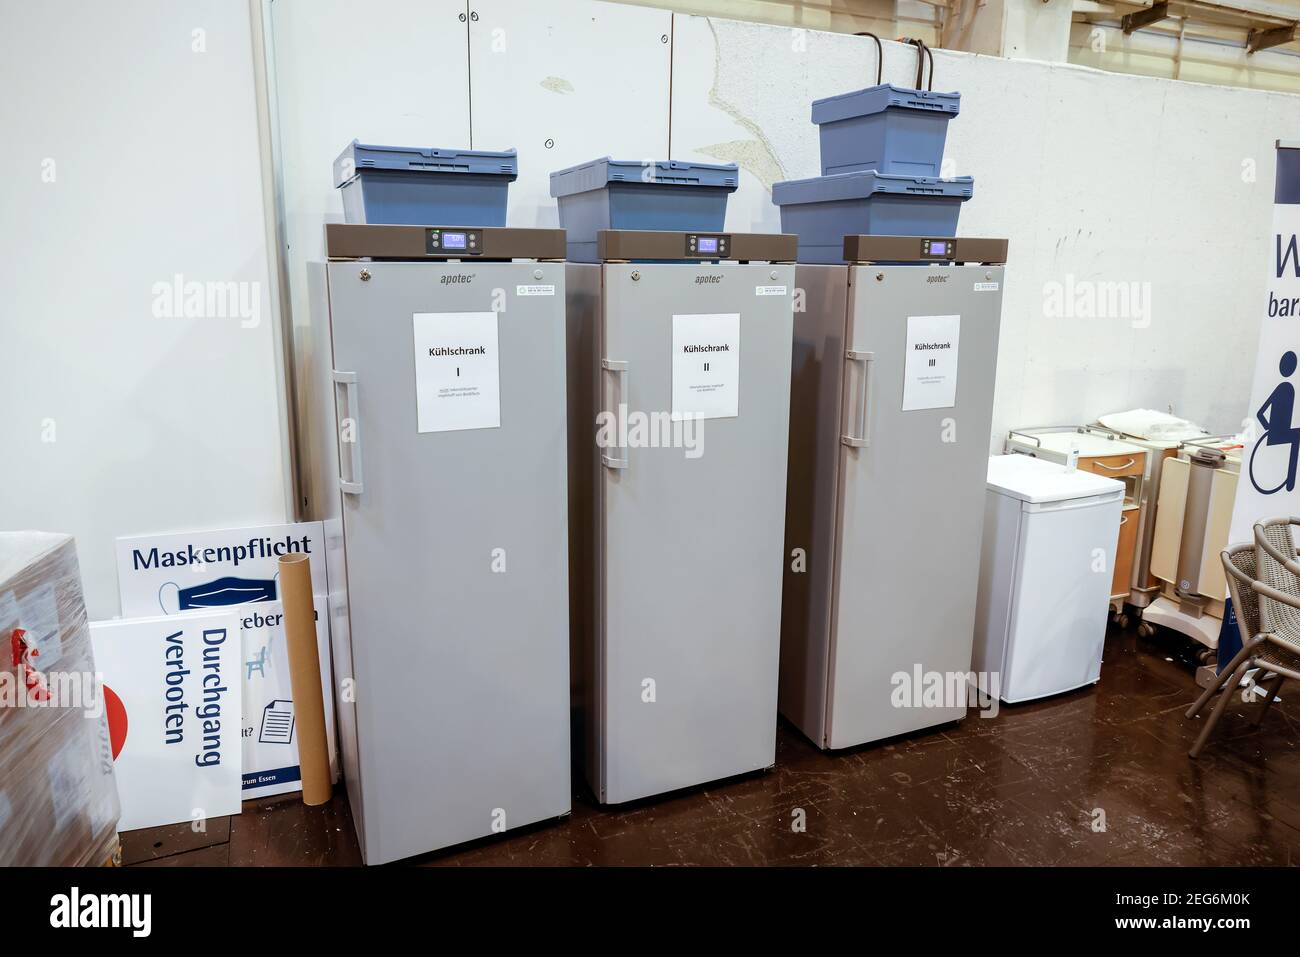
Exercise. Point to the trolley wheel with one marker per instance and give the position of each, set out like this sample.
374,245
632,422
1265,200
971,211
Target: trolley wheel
1146,629
1207,656
1122,619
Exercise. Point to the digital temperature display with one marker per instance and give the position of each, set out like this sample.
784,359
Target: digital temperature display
938,247
707,244
453,240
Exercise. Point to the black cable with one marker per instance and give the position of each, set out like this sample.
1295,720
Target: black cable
880,55
923,53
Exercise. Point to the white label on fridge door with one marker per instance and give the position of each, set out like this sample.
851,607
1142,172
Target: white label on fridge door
770,290
986,287
457,377
930,370
706,366
535,290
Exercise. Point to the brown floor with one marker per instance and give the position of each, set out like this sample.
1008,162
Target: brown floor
1022,788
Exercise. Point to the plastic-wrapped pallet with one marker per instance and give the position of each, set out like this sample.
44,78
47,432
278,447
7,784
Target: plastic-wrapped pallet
58,800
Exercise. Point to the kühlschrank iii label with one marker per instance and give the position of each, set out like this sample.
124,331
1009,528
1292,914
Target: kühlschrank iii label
706,366
930,372
457,375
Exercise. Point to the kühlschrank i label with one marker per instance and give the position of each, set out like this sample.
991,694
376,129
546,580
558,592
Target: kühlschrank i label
930,370
706,366
457,373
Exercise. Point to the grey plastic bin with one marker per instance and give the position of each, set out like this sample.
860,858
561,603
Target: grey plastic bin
890,129
424,187
825,209
631,194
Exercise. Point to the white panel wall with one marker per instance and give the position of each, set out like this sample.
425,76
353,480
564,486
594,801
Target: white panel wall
114,420
387,72
565,83
1094,177
123,421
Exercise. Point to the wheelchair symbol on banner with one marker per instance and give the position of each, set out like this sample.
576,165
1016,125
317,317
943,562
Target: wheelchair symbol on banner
1277,416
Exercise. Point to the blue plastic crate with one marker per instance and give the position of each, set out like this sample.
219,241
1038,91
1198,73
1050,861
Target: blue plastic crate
631,194
424,187
825,209
890,129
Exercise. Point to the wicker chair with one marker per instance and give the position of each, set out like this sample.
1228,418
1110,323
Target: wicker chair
1264,583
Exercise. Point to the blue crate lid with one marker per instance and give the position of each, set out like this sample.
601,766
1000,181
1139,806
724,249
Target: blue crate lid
876,99
863,184
357,157
599,173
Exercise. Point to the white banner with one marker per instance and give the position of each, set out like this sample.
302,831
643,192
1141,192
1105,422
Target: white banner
270,734
173,700
238,568
1268,484
168,574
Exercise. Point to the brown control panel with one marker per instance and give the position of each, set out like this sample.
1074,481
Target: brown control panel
923,249
634,245
377,241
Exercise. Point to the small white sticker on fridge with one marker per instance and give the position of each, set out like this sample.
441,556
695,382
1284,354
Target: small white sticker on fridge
986,287
770,290
535,290
930,366
457,371
706,366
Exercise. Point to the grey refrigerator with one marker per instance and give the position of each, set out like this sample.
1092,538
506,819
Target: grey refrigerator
892,382
676,549
432,443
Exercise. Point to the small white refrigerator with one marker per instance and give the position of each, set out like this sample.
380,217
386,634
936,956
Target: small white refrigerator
1045,571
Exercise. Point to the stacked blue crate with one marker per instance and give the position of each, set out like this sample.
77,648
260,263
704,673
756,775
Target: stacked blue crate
881,156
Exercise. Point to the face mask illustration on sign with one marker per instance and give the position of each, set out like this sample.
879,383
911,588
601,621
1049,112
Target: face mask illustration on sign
215,594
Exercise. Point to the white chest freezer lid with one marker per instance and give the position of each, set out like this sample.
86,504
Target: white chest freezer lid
1034,480
1088,444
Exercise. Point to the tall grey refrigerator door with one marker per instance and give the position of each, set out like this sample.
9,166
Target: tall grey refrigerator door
913,463
456,543
691,541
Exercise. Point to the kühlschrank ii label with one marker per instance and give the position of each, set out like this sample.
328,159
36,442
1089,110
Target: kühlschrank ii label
930,369
457,373
706,366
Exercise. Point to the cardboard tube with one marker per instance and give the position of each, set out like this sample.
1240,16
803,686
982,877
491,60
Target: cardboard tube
304,678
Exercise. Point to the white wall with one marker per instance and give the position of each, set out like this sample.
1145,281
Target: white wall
1098,176
159,424
1094,177
115,421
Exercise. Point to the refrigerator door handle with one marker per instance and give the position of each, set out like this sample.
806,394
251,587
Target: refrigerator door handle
619,368
863,437
351,485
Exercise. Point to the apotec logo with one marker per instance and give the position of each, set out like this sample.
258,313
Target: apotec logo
701,280
457,277
73,910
